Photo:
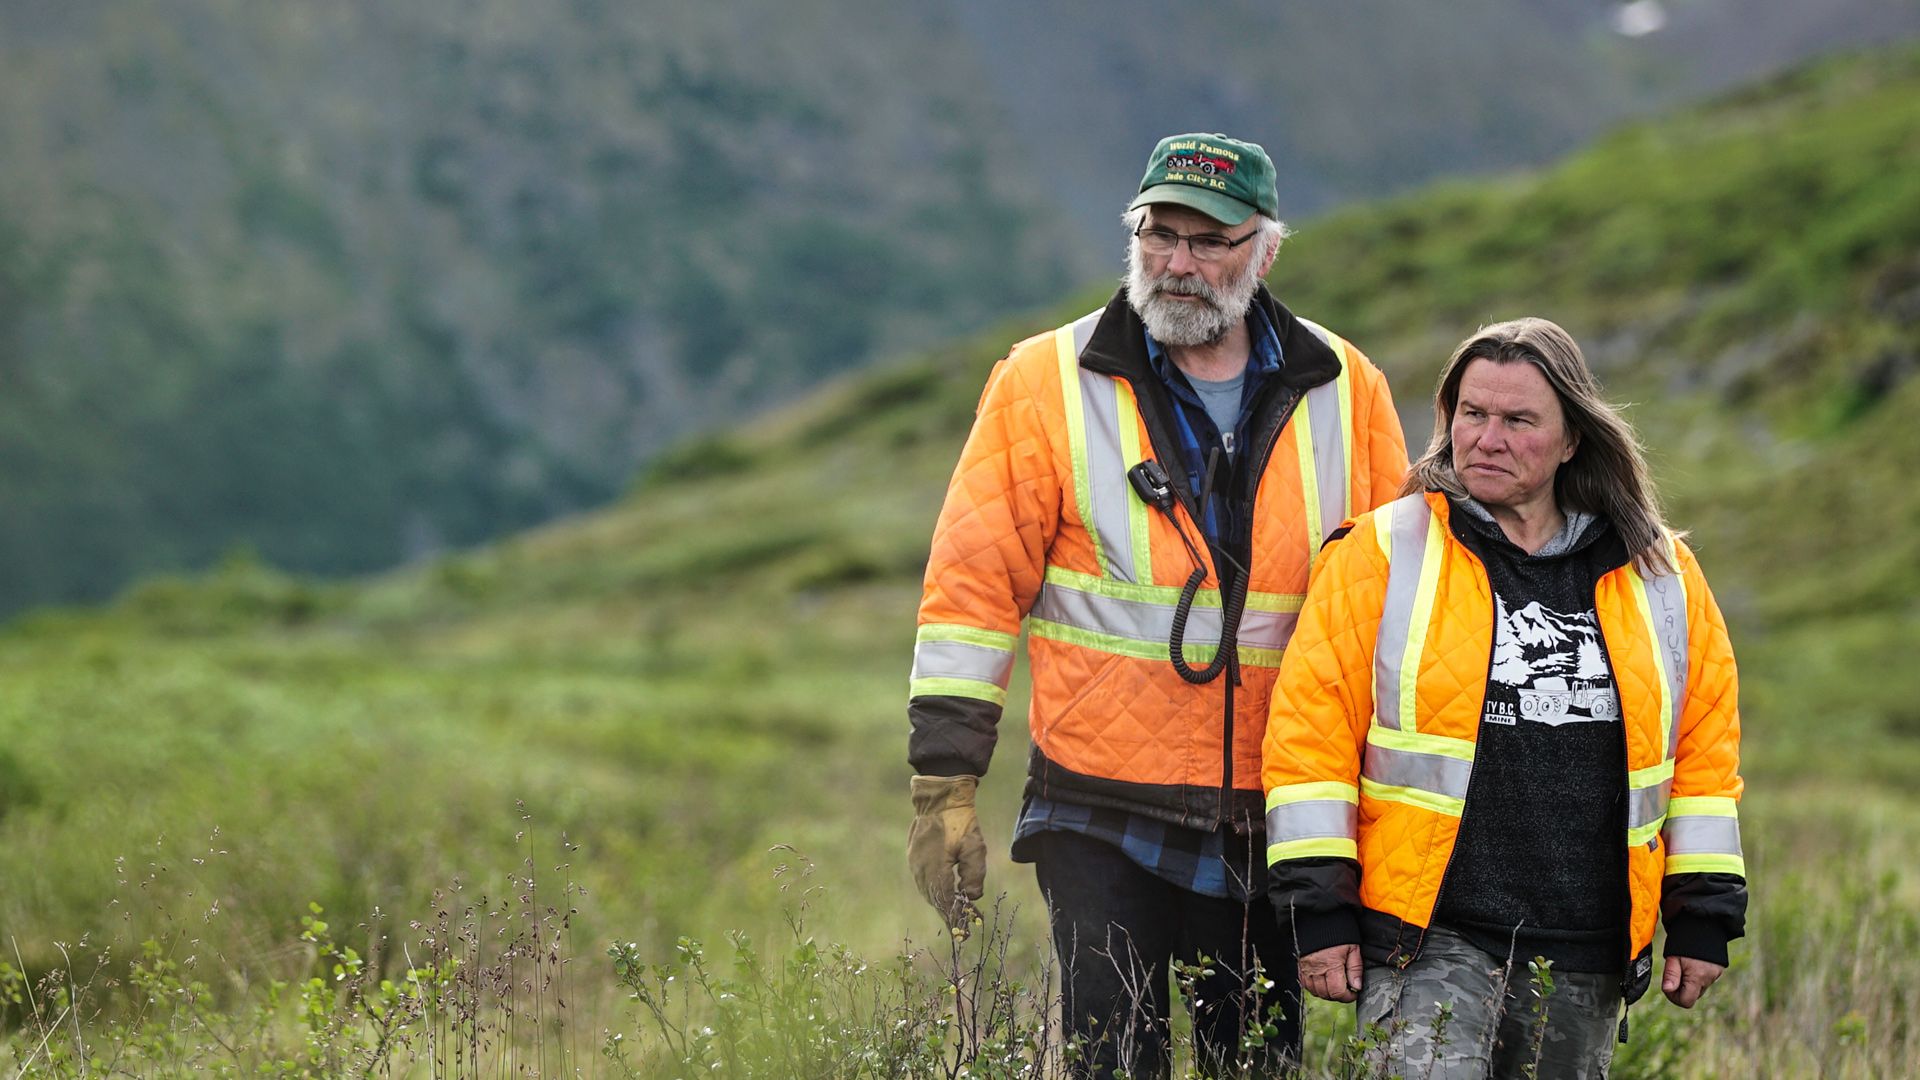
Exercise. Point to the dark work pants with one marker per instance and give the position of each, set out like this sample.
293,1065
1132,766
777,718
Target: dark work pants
1115,929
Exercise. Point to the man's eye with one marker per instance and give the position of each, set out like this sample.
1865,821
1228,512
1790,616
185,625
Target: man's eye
1213,245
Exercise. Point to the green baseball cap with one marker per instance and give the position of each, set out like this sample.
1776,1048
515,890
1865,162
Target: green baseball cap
1226,179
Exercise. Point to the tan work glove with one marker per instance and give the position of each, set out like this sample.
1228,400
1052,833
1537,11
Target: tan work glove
944,847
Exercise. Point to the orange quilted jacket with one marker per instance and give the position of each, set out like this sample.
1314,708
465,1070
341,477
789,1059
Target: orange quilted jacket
1040,526
1378,707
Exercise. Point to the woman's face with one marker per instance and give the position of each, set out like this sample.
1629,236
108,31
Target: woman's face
1509,435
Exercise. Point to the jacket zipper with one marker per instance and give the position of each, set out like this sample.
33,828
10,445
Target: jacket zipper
1626,855
1256,468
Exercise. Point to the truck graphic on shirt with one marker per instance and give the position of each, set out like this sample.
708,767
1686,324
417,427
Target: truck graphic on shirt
1554,664
1546,699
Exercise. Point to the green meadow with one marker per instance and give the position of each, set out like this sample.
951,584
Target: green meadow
683,716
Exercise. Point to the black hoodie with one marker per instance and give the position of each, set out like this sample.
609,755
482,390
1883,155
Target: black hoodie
1539,869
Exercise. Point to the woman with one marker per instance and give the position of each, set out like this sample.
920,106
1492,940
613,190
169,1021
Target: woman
1507,728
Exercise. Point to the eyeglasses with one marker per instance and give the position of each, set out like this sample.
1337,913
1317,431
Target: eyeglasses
1206,247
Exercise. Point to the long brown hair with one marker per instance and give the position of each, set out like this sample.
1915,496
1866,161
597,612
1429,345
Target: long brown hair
1607,475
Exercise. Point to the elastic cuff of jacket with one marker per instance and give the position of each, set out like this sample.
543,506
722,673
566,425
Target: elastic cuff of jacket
945,767
1697,939
1316,930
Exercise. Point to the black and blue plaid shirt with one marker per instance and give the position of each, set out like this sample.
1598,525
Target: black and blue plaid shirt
1199,435
1214,862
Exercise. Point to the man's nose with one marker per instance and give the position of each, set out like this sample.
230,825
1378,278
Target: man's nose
1182,261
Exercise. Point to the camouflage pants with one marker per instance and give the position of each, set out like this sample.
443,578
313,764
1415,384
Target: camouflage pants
1497,1026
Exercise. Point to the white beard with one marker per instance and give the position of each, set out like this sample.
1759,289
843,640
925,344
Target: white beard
1174,322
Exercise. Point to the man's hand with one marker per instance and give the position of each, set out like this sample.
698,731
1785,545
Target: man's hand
1685,979
944,847
1332,973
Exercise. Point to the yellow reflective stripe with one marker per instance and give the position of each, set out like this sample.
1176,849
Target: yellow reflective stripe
1344,385
1136,508
1638,837
1314,792
970,635
1251,656
1278,603
1651,776
1313,848
1302,424
1414,742
1665,683
966,688
1401,527
1422,617
1164,595
1110,643
1703,806
1666,597
1706,864
1195,652
1069,360
1169,595
1426,800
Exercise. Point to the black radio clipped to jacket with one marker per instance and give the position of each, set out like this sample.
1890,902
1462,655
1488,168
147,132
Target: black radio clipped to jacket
1155,488
1152,484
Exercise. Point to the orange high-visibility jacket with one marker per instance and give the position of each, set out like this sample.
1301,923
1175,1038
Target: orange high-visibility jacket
1041,525
1371,741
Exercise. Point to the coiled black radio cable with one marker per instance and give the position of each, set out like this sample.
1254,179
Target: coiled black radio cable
1156,489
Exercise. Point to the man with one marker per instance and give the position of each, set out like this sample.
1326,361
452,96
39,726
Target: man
1140,487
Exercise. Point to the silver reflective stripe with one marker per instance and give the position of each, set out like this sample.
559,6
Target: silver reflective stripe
960,660
1145,621
1329,456
1314,818
1667,603
1083,330
1329,439
1405,768
1136,619
1410,519
1267,629
1107,474
1648,805
1702,835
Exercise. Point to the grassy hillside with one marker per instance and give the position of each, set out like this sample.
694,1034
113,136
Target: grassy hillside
636,706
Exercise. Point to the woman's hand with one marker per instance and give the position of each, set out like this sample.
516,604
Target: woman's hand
1334,973
1683,981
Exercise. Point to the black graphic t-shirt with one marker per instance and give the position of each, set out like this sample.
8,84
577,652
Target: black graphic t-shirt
1540,866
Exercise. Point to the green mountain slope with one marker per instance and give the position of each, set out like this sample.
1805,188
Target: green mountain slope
355,283
716,665
352,283
1749,276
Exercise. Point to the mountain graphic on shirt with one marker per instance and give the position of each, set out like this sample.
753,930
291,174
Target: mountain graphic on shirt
1555,665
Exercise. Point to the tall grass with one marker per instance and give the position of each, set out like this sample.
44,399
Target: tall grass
490,978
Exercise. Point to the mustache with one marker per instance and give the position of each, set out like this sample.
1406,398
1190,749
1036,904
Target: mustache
1172,285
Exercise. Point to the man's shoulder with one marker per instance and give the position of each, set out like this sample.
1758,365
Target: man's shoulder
1040,353
1344,350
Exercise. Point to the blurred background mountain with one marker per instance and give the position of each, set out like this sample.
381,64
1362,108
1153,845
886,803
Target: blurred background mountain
349,283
